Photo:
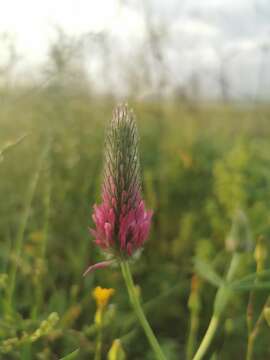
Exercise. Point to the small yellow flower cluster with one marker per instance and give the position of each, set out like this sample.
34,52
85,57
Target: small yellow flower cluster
102,296
45,327
9,344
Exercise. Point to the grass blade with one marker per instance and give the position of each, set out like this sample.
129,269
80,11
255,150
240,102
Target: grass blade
206,271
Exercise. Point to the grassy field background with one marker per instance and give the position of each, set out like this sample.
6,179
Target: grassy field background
200,163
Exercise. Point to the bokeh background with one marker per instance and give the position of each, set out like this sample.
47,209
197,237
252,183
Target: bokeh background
196,74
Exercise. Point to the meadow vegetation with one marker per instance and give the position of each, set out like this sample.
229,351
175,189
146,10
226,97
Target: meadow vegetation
201,165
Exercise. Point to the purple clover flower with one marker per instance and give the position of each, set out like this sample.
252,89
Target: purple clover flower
122,223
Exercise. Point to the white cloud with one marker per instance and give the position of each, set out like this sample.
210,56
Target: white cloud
127,24
195,27
32,21
243,45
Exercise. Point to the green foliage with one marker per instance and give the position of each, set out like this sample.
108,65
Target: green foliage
198,167
71,356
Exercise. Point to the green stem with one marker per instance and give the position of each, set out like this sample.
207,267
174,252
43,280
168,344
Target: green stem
233,266
194,305
192,336
250,347
99,343
208,337
250,312
222,298
255,331
133,297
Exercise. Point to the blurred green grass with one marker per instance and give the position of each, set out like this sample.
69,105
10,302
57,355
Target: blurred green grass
199,164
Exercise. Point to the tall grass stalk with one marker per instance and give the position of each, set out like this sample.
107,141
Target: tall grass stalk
21,231
45,232
11,144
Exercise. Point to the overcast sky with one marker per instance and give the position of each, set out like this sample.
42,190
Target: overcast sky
209,37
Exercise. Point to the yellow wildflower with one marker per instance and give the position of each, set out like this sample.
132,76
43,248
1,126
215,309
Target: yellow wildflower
102,296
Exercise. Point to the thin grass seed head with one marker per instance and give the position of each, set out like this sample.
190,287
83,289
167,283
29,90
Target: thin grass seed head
122,223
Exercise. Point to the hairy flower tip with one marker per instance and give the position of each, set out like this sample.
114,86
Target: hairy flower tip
121,221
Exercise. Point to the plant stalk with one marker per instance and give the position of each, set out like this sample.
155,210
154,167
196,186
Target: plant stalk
254,332
99,340
222,297
192,337
194,306
133,297
208,337
47,208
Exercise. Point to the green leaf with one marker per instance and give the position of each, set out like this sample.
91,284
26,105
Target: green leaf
207,272
255,286
71,356
251,281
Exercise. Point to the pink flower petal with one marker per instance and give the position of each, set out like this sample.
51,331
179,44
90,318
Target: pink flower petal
100,265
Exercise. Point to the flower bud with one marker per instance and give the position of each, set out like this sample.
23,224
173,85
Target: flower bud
266,314
116,352
239,238
260,254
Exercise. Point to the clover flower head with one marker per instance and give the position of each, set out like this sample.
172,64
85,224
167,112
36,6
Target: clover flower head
122,222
